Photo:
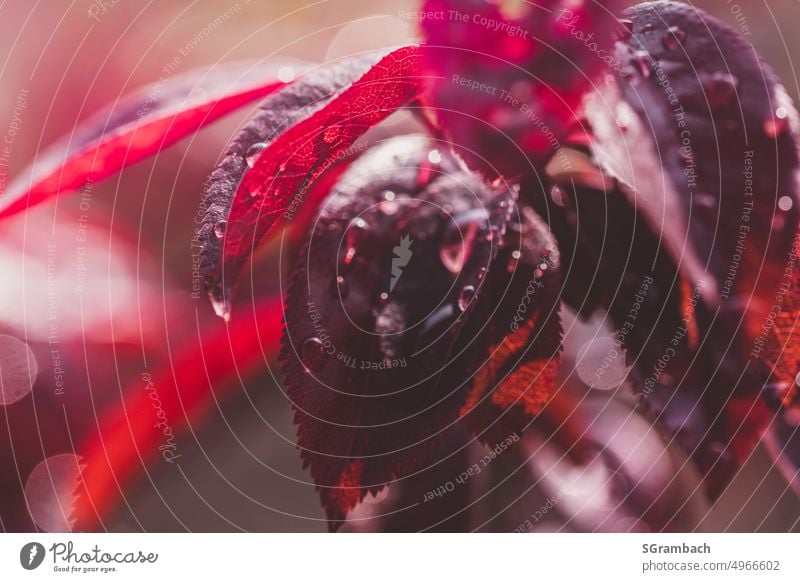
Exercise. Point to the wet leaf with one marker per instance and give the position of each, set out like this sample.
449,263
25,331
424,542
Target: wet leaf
270,166
374,347
702,137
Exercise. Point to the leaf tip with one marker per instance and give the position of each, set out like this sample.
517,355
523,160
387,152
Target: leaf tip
221,305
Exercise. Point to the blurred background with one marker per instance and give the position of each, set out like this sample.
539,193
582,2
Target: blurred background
111,269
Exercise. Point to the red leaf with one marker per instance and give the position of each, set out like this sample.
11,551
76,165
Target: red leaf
304,129
137,127
128,434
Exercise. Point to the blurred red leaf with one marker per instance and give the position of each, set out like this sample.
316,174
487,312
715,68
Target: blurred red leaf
128,433
508,77
139,126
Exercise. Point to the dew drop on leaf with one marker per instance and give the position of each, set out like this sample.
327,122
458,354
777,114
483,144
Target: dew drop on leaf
389,207
340,288
513,261
558,196
459,239
775,126
720,89
464,299
673,38
625,30
221,308
354,240
219,228
253,152
641,62
313,354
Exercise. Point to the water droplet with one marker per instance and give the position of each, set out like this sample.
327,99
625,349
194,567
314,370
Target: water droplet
434,157
481,273
464,299
286,74
50,492
355,238
785,203
384,297
222,308
340,288
459,238
513,261
331,134
673,38
389,207
219,228
720,89
313,354
558,196
389,196
625,30
18,369
781,112
641,63
253,153
775,126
